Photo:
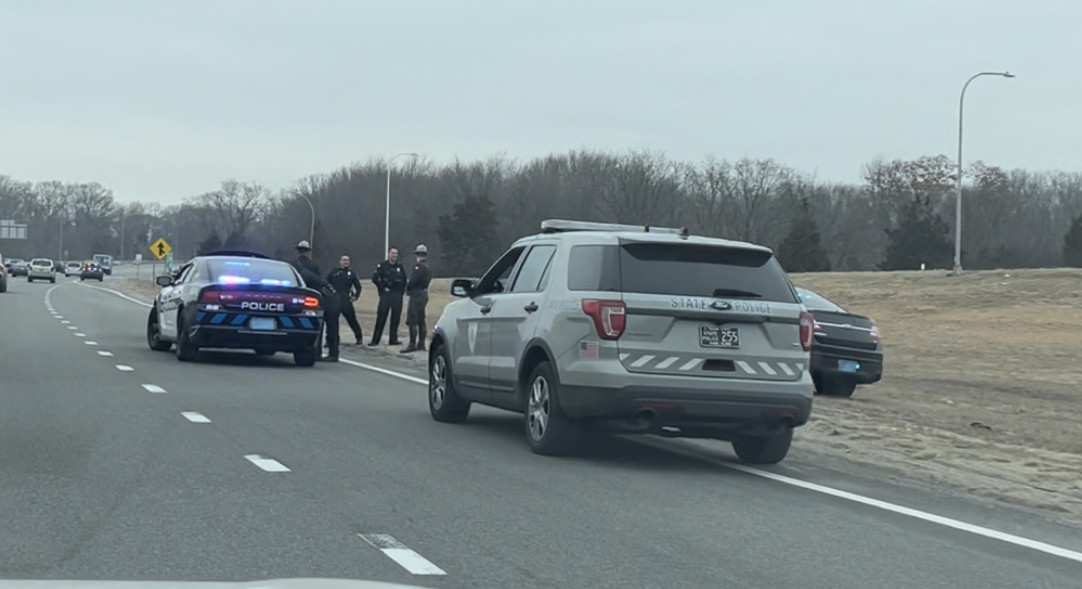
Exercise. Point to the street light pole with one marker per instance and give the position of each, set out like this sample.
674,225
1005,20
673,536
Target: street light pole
312,227
123,221
387,219
958,195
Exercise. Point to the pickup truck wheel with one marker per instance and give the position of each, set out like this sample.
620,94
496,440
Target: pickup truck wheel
186,352
763,449
154,334
548,430
444,403
838,386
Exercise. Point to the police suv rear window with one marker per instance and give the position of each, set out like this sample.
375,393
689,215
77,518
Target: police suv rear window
251,271
679,269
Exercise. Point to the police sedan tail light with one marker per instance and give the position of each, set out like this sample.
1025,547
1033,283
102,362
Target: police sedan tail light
311,303
210,296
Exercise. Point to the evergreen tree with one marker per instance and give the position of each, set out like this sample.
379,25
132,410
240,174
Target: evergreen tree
1072,244
468,236
921,237
802,250
210,244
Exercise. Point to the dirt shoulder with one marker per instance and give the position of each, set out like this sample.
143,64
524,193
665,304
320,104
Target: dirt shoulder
981,385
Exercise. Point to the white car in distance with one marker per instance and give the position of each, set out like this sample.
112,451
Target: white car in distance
41,269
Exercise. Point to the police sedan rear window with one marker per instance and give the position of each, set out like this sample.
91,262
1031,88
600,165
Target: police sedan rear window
251,271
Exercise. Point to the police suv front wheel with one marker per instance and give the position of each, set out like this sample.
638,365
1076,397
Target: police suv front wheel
444,403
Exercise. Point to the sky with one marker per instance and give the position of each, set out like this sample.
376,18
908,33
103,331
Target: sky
162,100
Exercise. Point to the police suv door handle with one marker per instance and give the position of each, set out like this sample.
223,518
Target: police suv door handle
486,310
531,307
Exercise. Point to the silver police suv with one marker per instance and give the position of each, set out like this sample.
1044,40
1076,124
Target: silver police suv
631,329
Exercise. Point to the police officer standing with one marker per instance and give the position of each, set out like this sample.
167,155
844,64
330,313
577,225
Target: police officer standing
313,278
390,281
345,281
417,289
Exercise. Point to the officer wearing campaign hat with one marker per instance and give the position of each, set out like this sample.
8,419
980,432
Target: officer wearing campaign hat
313,278
417,289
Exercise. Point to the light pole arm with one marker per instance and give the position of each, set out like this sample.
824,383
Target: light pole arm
958,195
312,225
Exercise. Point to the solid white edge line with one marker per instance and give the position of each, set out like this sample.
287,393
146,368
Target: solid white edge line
117,293
879,504
385,371
153,388
267,464
195,417
406,558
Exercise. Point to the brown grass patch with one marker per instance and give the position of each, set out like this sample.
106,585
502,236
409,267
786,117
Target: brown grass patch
981,382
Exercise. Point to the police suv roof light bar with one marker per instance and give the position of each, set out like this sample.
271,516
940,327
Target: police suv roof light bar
563,225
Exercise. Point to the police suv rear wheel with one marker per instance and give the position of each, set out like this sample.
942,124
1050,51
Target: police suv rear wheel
763,449
548,430
444,403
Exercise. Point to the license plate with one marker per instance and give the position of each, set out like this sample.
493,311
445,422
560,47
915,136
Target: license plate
848,366
712,336
262,323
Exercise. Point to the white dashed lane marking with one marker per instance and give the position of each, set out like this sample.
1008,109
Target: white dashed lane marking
72,327
105,354
195,417
124,368
267,464
65,322
90,343
77,334
153,388
401,554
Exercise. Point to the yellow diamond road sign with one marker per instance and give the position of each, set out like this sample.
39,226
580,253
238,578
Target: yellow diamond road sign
160,249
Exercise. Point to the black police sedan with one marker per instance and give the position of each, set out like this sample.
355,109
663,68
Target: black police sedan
236,300
847,350
91,271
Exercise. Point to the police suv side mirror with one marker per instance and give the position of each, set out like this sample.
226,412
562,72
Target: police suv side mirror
461,287
164,281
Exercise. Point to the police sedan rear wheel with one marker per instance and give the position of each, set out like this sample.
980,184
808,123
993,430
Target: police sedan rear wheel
154,334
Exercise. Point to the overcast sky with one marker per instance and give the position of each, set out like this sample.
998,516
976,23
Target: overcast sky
161,100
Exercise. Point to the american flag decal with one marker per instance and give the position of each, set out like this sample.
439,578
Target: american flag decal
588,350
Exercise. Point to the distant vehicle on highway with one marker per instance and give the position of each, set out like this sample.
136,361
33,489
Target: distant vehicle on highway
630,328
91,271
41,269
72,268
848,348
106,263
236,301
18,267
3,275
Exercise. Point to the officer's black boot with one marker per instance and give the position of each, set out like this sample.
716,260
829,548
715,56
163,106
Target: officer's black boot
422,338
412,347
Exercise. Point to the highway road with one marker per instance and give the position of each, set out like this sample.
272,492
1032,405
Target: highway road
117,462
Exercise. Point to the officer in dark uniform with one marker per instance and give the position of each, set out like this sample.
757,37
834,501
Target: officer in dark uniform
313,278
345,281
417,289
390,281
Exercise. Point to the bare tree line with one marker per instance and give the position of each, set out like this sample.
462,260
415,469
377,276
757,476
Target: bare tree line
467,211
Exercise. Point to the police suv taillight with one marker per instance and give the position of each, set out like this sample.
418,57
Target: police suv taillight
610,317
807,329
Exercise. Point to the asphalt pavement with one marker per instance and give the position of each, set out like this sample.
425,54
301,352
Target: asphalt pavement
117,462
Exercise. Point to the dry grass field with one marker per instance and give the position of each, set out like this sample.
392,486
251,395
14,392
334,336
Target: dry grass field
981,388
